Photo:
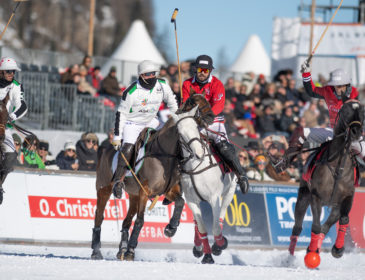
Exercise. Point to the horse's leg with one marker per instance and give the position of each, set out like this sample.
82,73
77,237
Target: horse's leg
316,234
138,224
132,210
339,246
103,195
201,242
220,242
301,206
174,195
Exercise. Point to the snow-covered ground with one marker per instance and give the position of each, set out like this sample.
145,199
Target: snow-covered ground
40,262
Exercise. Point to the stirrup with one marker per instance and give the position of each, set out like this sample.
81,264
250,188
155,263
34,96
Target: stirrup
118,189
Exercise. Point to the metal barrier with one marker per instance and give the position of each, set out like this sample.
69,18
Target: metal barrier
59,106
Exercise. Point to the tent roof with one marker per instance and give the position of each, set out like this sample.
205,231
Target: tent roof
137,45
253,58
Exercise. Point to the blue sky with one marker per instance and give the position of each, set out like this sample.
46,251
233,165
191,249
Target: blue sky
223,26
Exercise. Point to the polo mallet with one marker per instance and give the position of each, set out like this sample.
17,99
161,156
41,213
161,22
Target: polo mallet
11,17
173,19
323,33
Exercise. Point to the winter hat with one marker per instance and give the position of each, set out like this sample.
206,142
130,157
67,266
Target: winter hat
16,138
43,145
70,145
204,61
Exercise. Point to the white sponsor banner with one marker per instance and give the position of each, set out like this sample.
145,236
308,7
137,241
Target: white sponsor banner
50,206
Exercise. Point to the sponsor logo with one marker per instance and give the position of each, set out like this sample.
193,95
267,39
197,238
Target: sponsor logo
219,97
238,214
144,102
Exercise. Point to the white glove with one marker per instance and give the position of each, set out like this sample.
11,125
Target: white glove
305,68
11,117
116,144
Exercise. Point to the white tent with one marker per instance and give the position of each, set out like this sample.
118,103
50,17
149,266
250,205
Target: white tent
253,58
136,46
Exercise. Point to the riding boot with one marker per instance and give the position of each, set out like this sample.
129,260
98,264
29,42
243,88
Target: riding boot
7,167
118,177
295,146
228,154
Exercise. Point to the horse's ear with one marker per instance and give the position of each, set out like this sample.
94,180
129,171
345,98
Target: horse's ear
192,91
193,111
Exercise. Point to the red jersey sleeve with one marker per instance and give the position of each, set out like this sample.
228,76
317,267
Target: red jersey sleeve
218,97
186,90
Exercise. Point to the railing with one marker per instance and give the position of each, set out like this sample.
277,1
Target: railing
58,106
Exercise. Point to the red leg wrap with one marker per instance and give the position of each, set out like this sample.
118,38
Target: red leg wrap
197,239
219,240
293,244
340,240
221,221
205,241
316,242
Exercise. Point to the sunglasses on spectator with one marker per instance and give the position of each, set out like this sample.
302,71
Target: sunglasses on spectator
91,141
16,144
148,74
261,163
204,70
70,150
242,157
43,149
10,71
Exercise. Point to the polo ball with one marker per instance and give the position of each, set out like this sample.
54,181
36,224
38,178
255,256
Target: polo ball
312,260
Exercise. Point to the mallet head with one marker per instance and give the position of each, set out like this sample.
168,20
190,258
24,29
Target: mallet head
173,18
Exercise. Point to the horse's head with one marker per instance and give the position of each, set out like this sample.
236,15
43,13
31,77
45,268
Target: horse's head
204,115
3,117
189,132
351,117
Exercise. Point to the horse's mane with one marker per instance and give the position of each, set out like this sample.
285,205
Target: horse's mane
205,115
350,112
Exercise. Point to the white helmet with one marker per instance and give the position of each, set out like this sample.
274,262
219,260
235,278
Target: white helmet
339,77
8,63
147,66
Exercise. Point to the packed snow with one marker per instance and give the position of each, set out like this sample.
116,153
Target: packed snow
42,262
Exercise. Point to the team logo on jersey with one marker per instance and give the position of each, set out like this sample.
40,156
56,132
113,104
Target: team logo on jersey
144,102
219,97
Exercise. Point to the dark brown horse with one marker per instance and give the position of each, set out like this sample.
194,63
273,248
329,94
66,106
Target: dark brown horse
3,121
332,183
159,174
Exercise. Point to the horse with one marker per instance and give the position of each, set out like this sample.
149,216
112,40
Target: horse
332,183
203,180
3,120
159,174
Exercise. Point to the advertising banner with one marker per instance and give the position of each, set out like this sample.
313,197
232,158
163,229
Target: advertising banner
280,205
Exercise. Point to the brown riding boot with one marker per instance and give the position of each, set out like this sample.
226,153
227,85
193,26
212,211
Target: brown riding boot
295,146
118,177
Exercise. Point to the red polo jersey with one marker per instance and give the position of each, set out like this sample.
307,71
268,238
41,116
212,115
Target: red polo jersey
213,91
327,93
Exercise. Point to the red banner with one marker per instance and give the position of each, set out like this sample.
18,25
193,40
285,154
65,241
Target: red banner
357,220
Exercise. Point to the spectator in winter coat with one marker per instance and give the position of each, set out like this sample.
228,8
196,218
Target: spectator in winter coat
67,159
110,86
96,78
30,157
48,160
259,173
86,150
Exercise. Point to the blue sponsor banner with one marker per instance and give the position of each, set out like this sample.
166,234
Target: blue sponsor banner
280,206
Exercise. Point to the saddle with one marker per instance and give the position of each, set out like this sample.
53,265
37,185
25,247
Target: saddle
318,157
220,161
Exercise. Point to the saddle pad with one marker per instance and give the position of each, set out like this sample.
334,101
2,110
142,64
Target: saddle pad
141,153
312,164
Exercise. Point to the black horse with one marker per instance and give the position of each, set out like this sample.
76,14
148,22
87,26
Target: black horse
332,182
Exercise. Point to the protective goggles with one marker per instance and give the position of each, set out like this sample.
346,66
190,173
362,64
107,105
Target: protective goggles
204,70
9,71
149,74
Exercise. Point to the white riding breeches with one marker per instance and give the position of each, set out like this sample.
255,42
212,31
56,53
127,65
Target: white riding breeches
8,145
219,128
132,130
319,135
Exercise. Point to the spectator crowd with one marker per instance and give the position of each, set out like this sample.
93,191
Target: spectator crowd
262,113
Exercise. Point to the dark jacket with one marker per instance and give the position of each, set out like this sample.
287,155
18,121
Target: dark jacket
110,86
64,162
87,157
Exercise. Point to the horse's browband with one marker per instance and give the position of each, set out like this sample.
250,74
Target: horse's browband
355,122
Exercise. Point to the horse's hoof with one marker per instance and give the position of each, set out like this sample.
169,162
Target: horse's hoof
197,253
129,256
217,250
207,259
170,231
337,253
96,255
120,254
